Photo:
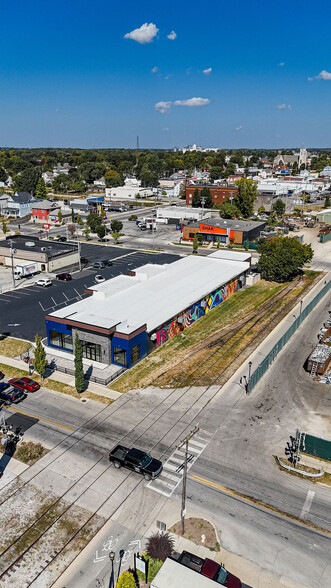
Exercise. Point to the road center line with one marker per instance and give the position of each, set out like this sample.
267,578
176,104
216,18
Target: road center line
307,504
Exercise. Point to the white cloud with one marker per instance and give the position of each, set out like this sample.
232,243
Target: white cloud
207,72
239,128
145,34
192,102
284,106
164,107
282,63
165,129
323,75
155,69
289,107
172,36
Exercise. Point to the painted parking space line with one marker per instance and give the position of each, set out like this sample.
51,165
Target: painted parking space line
256,502
307,504
41,419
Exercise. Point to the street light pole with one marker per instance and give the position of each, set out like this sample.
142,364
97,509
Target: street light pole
12,252
185,442
112,557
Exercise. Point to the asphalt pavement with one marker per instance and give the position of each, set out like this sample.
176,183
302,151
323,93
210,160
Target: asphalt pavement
23,310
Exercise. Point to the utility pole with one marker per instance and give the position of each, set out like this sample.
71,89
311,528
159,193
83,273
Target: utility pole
185,442
12,252
79,259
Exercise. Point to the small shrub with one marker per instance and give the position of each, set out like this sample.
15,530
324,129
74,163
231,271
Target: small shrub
160,546
126,580
133,217
153,567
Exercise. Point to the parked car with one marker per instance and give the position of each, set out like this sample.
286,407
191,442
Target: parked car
24,384
138,222
44,282
10,394
98,265
107,262
62,239
209,568
136,460
98,278
142,227
65,276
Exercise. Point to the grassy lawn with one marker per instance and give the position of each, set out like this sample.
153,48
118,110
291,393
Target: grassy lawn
12,372
13,347
173,363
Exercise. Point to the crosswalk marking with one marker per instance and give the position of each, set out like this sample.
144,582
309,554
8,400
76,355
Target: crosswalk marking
173,468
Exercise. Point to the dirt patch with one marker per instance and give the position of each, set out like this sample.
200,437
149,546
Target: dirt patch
200,531
11,347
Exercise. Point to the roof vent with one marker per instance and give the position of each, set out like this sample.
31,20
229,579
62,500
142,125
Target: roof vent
43,249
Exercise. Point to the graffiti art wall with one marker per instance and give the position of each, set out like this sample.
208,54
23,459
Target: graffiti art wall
192,314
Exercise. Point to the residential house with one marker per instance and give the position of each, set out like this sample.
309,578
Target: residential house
44,211
18,205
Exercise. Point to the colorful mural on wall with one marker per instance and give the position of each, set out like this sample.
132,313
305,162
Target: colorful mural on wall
192,314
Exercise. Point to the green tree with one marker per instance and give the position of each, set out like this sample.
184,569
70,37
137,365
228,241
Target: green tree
27,181
126,580
3,175
4,228
87,232
279,207
40,360
326,202
261,210
246,196
79,370
93,221
72,215
282,258
227,210
113,179
79,220
116,225
206,195
60,217
196,201
195,243
100,231
41,191
215,173
116,236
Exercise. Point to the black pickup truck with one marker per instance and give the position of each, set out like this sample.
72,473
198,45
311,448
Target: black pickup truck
135,460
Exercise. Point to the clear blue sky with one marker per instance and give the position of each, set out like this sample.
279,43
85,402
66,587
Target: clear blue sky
70,78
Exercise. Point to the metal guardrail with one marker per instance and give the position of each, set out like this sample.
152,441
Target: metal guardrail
268,360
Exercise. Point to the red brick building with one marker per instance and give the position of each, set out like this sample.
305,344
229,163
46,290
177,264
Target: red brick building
43,209
218,193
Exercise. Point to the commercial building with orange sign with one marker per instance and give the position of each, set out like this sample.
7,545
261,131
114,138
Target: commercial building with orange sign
224,230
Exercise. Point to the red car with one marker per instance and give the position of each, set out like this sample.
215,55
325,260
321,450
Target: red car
216,572
24,384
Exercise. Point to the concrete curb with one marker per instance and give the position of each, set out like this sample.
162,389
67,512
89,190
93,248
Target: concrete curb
301,472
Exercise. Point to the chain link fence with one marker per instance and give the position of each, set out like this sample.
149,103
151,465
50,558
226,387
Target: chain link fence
268,360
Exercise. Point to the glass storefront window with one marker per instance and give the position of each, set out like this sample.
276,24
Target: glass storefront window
60,340
135,354
120,356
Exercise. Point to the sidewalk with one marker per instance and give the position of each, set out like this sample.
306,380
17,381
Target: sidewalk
64,378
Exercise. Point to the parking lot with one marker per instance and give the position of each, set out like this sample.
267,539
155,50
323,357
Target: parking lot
22,310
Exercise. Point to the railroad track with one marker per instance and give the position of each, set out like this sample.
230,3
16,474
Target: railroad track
219,342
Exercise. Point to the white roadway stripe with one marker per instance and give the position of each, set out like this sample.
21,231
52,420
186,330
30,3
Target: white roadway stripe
307,504
194,442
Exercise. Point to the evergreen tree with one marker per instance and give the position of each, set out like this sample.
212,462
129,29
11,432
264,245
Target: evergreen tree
79,371
4,227
40,360
196,201
195,243
41,191
279,207
60,216
327,202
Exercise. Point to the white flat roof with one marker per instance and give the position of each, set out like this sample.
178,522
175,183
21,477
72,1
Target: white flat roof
154,295
173,574
231,255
